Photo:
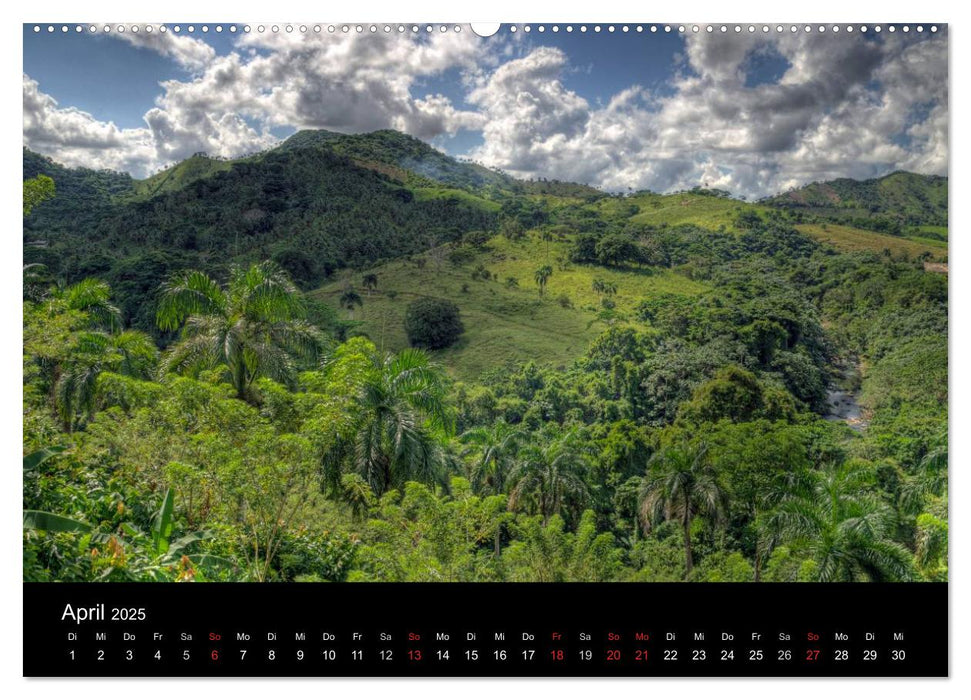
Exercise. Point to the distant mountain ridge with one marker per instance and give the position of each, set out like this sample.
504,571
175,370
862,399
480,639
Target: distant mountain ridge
322,201
406,152
909,197
77,188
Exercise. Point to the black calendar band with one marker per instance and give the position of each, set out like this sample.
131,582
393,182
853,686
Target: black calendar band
481,629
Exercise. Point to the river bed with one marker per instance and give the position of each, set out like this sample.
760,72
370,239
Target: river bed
844,406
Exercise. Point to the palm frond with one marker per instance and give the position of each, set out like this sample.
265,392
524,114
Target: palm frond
186,294
267,293
93,297
190,356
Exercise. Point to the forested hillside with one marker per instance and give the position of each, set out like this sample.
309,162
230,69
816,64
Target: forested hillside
355,358
311,210
899,203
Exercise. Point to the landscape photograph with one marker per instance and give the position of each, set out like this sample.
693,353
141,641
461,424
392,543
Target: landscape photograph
566,303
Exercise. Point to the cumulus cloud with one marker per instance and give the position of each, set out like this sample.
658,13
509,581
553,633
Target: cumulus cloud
231,103
78,139
530,115
347,82
842,106
192,54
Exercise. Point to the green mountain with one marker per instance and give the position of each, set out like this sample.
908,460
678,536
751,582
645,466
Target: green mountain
311,208
80,192
417,163
395,154
196,167
896,203
322,202
318,202
392,148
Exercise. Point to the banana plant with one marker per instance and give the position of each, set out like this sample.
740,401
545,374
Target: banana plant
169,552
35,459
52,522
42,520
164,553
162,524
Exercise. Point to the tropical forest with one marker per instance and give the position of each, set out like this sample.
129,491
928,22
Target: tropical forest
353,358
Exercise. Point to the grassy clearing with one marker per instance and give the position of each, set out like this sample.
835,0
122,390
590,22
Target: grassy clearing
931,232
180,175
425,193
852,239
929,242
676,209
505,323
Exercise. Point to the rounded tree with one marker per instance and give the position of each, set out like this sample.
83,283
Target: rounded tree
433,323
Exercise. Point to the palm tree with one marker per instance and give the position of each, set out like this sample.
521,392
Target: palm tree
101,347
131,353
254,326
844,527
930,478
349,298
549,478
547,236
681,484
93,297
604,288
598,286
542,276
394,436
370,282
933,468
496,447
768,496
357,494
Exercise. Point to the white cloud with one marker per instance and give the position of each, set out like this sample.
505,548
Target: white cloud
229,106
78,139
192,54
530,115
353,82
844,106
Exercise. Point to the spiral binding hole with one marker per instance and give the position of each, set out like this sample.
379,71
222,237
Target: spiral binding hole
513,28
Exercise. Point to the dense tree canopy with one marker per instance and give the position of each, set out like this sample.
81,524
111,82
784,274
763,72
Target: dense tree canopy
178,362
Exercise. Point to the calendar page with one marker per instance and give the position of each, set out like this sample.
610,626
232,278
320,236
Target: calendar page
485,350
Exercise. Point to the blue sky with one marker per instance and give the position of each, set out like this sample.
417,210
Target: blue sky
753,113
117,81
113,80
